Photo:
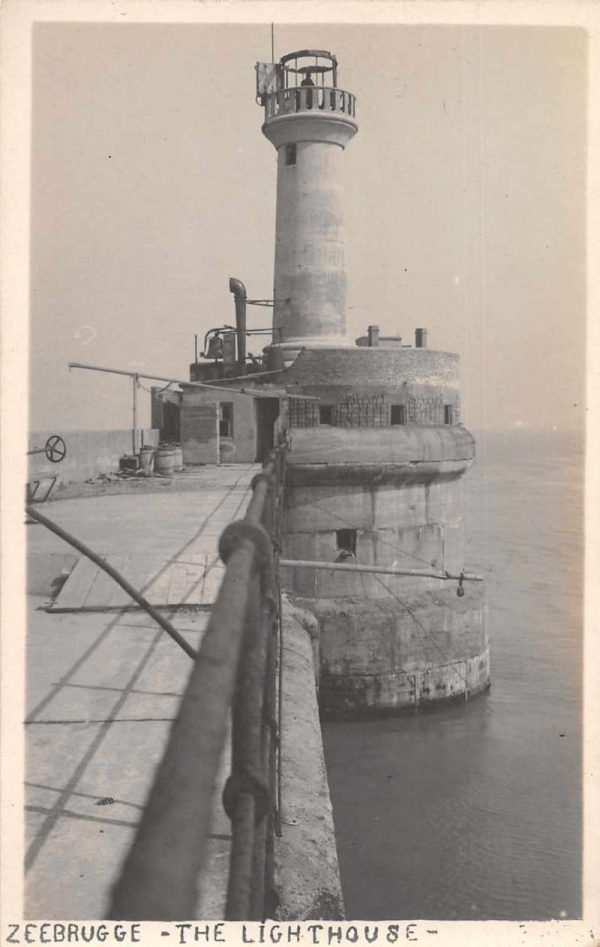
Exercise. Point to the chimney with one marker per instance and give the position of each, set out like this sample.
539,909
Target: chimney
373,332
239,294
421,338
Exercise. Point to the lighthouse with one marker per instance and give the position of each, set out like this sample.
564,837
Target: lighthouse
309,120
373,530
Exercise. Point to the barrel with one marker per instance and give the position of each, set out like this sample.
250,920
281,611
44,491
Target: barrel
164,460
178,458
146,458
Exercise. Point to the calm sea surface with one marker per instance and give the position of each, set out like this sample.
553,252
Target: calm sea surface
474,812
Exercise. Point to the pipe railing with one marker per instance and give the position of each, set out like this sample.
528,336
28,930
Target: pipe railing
233,678
309,98
379,570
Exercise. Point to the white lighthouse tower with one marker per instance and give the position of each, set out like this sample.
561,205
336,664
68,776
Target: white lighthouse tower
373,532
309,120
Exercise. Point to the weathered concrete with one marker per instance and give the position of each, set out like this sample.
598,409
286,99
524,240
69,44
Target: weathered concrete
307,879
89,453
333,452
404,515
310,271
392,496
102,691
310,265
405,652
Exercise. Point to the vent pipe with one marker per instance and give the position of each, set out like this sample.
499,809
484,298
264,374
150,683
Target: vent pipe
239,294
373,334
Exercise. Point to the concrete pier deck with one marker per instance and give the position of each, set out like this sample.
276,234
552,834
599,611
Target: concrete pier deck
103,688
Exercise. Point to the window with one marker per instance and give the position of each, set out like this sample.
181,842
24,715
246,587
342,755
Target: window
226,420
290,154
346,543
325,414
398,414
447,414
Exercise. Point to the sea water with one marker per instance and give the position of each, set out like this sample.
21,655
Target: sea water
474,811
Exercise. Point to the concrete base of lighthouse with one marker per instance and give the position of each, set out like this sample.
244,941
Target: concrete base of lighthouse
392,495
378,658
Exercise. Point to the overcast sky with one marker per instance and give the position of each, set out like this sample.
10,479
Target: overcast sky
152,184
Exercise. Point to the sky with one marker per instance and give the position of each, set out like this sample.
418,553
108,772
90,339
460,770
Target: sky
152,184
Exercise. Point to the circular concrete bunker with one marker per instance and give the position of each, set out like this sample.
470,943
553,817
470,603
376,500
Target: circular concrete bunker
374,480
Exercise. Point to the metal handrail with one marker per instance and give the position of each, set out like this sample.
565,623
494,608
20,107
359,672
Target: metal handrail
234,674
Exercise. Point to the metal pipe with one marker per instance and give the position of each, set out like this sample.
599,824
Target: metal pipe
178,812
239,294
239,886
247,759
106,567
135,380
178,381
382,570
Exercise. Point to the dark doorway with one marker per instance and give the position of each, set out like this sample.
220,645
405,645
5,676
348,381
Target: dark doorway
346,540
171,426
267,412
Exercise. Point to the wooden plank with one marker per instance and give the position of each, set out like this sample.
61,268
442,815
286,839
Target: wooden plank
120,598
163,582
77,585
103,587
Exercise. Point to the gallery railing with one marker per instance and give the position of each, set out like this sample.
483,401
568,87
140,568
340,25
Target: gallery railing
309,98
233,679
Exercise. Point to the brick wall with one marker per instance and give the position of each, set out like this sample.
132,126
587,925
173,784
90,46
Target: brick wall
302,413
367,366
424,406
361,385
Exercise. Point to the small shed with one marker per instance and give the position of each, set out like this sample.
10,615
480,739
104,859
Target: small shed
237,425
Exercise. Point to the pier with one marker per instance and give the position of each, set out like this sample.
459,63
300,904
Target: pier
129,742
